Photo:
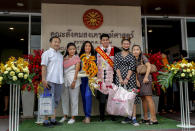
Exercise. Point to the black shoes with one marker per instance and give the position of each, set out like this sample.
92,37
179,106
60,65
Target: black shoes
153,123
56,123
49,125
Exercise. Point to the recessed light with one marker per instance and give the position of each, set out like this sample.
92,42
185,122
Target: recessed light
150,31
22,39
158,8
20,4
11,28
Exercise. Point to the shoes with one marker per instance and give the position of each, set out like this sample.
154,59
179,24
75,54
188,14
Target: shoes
113,118
126,120
86,120
145,121
135,123
49,125
56,123
153,122
63,119
71,121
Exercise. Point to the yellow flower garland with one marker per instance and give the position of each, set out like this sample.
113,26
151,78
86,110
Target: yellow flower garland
89,66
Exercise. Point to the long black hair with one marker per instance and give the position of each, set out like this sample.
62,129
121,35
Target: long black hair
68,45
83,48
140,55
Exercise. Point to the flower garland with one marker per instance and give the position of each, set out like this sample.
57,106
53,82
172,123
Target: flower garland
89,66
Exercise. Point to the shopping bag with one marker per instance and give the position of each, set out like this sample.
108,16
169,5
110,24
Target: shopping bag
46,103
120,101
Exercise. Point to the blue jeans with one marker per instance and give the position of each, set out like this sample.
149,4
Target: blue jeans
86,96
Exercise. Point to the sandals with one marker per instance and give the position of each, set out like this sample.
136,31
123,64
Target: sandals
86,120
144,121
153,123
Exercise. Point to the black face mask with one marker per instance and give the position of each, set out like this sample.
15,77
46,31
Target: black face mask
126,49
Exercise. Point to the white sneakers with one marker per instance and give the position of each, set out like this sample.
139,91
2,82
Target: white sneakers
63,119
71,121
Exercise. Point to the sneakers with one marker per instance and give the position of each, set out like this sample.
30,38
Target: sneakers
63,119
135,123
71,121
126,120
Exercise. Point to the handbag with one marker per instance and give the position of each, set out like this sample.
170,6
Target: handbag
46,103
142,68
120,101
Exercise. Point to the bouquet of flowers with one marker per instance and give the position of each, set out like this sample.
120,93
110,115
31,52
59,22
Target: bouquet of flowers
34,68
90,70
15,71
181,71
156,59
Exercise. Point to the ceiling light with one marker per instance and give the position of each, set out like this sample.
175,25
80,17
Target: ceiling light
158,8
150,31
20,4
11,28
22,39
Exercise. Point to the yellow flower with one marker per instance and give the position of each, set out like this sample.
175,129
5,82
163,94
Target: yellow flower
184,70
17,70
20,75
182,74
189,64
190,75
1,78
25,76
188,70
26,69
14,78
12,73
175,72
6,72
8,69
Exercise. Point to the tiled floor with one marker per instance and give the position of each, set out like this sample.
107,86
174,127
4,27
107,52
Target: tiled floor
4,124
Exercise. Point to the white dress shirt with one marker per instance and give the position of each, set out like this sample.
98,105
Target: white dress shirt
54,61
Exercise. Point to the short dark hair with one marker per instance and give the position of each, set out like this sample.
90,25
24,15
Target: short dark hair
53,37
104,35
68,45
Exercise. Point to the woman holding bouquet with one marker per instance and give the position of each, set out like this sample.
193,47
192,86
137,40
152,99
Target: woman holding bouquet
87,56
125,67
70,94
145,82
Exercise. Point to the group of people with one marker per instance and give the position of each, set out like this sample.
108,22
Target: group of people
60,76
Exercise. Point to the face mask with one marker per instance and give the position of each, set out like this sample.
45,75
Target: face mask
126,49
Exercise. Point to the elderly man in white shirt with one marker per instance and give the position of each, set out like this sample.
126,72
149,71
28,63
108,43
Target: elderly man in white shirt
52,75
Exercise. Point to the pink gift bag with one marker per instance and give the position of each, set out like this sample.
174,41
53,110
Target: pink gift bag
120,101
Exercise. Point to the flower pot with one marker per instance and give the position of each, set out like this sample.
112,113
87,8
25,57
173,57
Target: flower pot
28,103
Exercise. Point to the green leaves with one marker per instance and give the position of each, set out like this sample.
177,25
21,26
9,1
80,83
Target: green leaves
165,79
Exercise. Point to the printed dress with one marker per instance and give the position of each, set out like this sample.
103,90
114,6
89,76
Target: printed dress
124,64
